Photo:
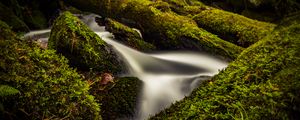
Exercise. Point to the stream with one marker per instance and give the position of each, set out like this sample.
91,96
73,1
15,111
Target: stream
168,76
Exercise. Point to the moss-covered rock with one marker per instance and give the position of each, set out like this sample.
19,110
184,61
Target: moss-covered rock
8,16
229,26
127,35
85,50
166,30
120,100
49,88
262,83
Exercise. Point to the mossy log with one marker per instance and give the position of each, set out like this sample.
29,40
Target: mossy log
127,35
262,83
49,88
85,50
120,100
229,26
166,30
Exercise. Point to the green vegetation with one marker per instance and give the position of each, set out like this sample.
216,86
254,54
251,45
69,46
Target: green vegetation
127,35
120,100
85,50
231,27
262,83
166,30
48,87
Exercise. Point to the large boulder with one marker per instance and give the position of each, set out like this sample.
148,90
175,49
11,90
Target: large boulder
262,83
48,87
85,49
127,35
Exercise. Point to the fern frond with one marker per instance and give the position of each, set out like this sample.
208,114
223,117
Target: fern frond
6,90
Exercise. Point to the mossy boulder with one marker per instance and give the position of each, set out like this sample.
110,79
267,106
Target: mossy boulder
127,35
164,29
262,83
8,16
48,87
85,50
120,100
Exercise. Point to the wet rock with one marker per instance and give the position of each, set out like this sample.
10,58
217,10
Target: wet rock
85,50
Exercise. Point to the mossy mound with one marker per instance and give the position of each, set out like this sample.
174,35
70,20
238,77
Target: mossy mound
85,50
164,29
119,101
8,16
127,35
262,83
49,88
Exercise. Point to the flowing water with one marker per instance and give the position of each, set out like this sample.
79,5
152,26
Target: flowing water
167,76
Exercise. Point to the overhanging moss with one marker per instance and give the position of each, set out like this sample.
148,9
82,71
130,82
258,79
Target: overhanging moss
127,35
49,88
262,83
166,30
81,46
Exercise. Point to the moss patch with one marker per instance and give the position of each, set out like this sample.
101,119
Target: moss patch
48,87
81,46
127,35
262,83
120,100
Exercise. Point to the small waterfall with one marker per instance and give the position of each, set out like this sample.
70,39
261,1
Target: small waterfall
167,77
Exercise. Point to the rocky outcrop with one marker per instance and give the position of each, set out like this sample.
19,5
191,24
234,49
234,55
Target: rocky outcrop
84,49
127,35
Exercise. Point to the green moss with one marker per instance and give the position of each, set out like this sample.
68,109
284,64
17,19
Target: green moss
232,27
166,30
8,16
6,33
119,101
48,87
86,50
262,83
127,35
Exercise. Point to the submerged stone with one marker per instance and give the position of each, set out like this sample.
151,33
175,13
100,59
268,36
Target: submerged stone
127,35
85,50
